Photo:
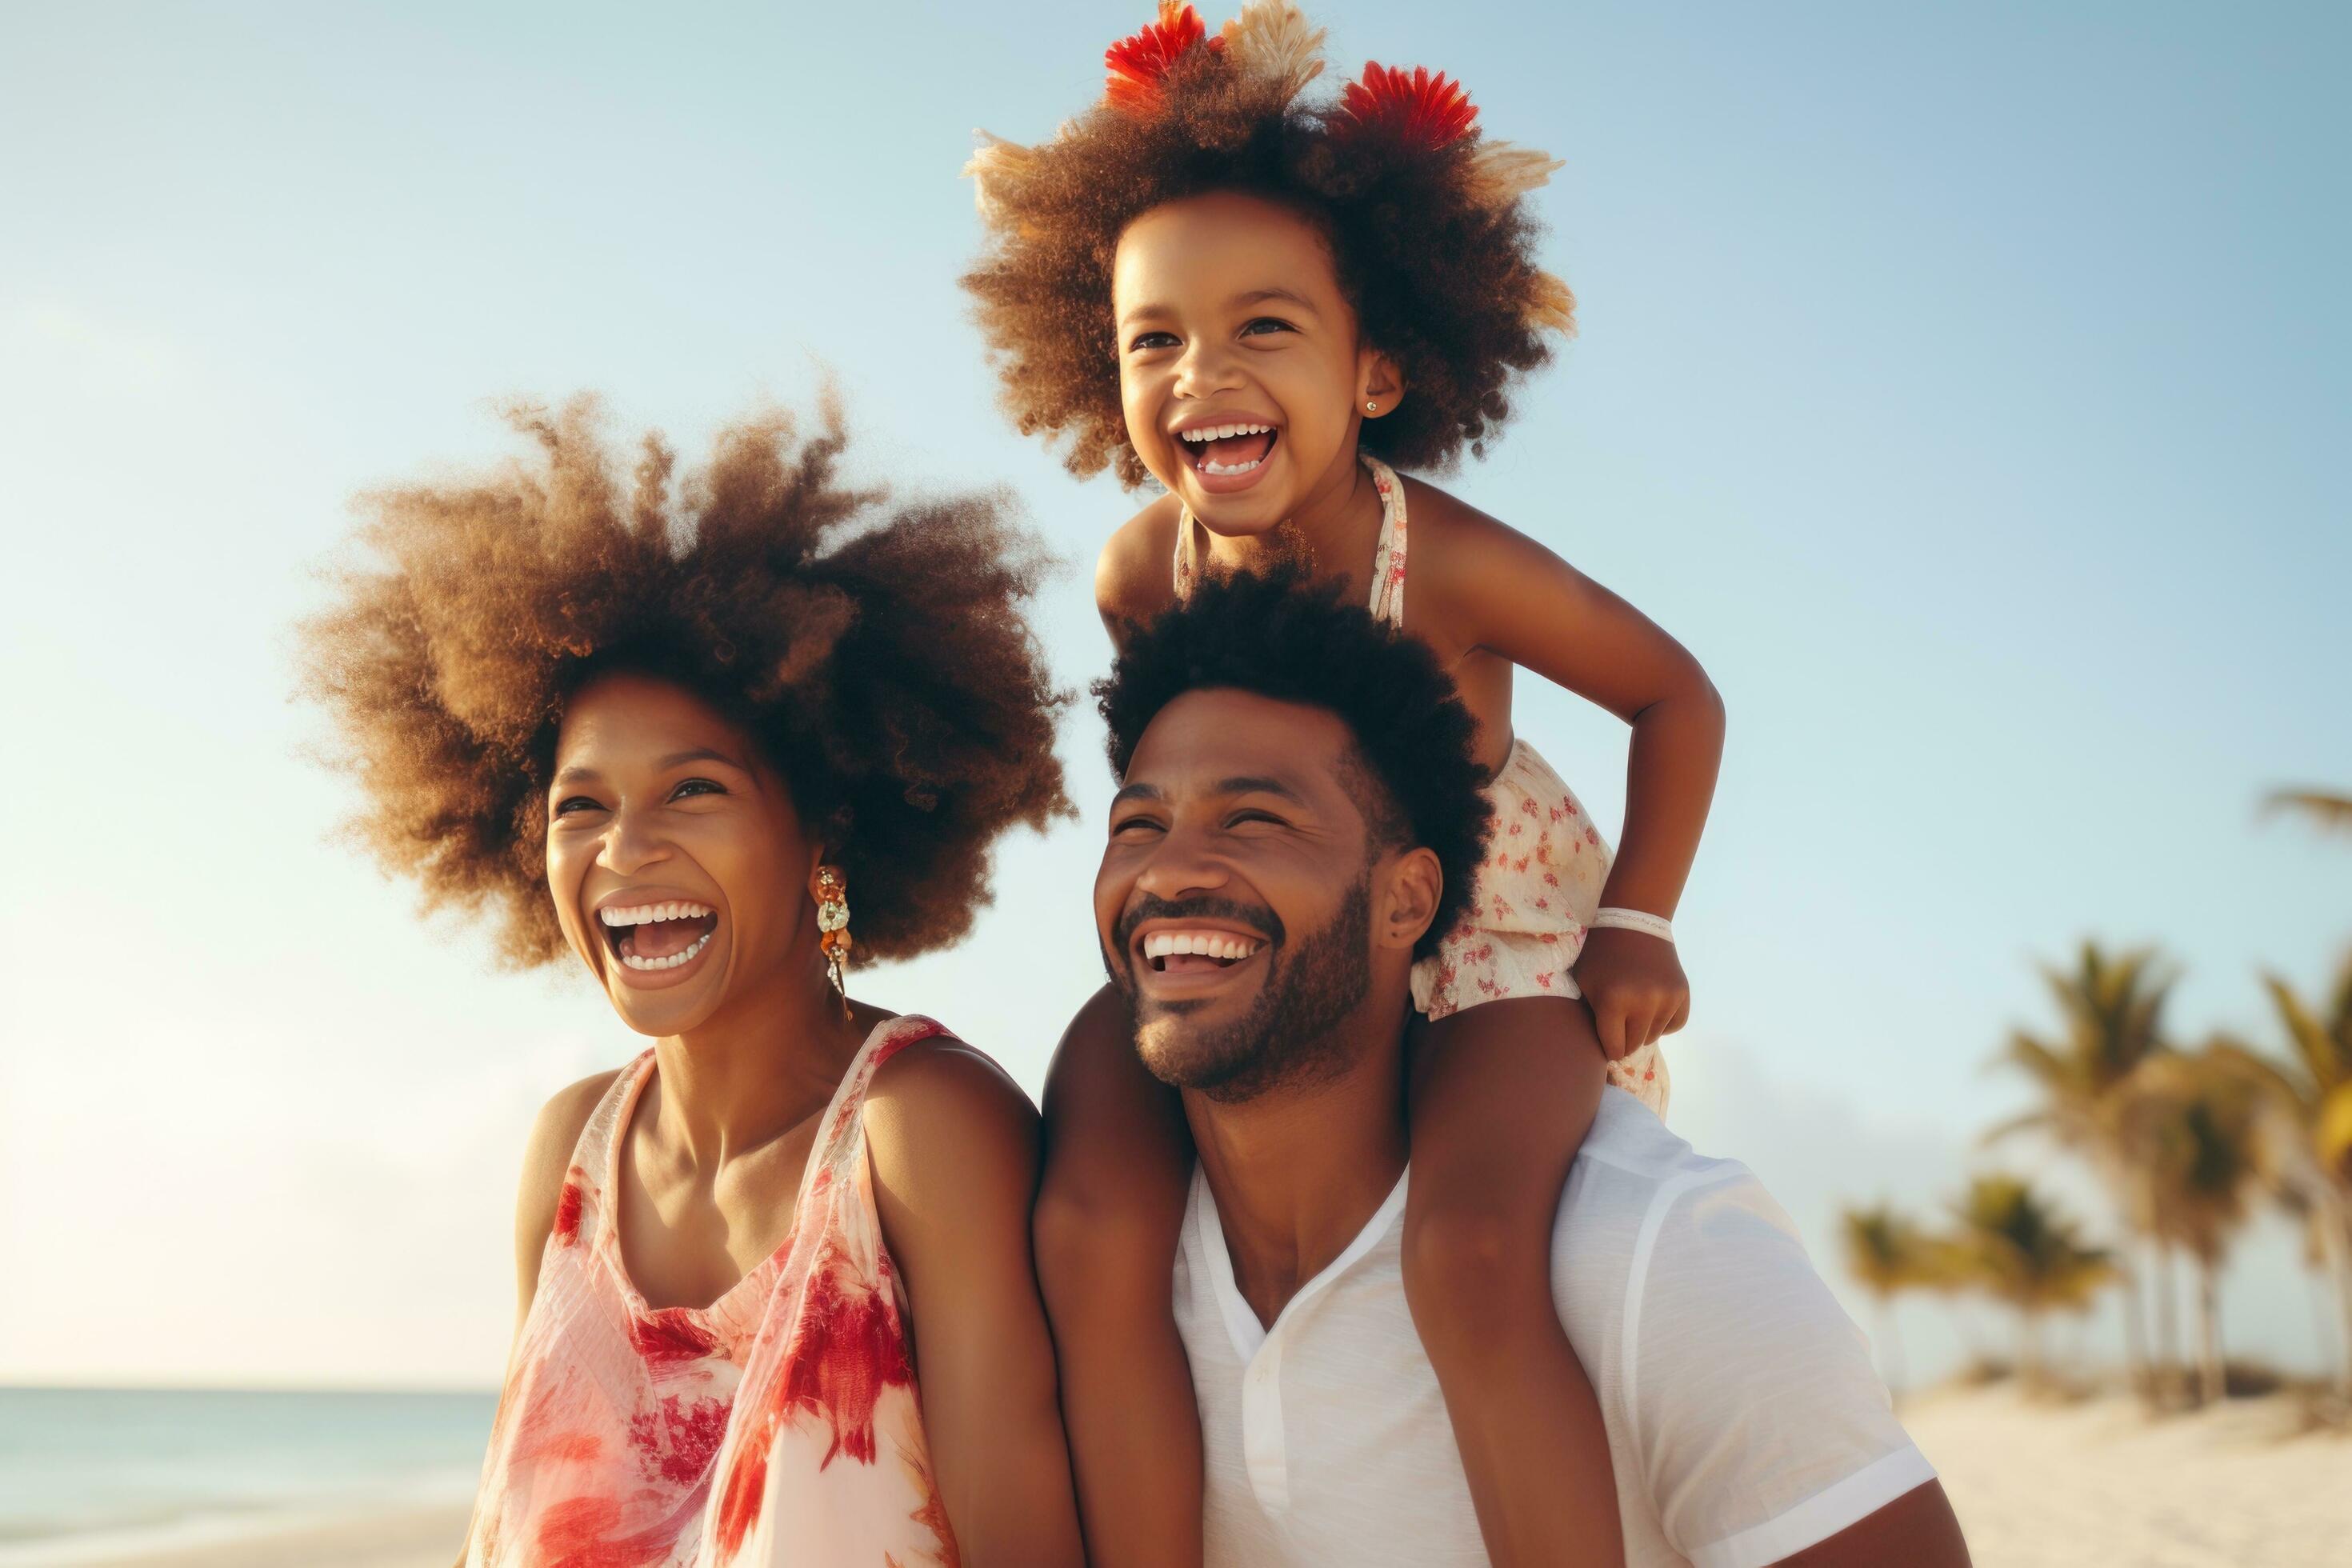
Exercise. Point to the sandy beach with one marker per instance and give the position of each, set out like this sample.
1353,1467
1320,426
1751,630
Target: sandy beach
2065,1485
2037,1485
410,1537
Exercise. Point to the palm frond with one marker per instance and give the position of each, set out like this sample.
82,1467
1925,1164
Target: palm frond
2021,1250
1884,1249
2328,809
2045,1120
2314,1051
2195,1125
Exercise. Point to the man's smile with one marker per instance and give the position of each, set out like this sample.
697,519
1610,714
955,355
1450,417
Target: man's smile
1181,957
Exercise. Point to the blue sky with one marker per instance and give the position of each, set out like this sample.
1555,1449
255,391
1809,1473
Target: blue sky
1956,383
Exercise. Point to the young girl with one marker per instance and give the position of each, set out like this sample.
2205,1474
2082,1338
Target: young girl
1270,308
672,738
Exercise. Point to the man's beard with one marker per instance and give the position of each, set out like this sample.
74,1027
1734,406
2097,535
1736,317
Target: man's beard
1288,1038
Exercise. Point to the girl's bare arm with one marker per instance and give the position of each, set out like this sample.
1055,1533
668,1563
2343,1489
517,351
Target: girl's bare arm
1490,588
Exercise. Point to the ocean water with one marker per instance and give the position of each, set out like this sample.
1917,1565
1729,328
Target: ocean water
83,1470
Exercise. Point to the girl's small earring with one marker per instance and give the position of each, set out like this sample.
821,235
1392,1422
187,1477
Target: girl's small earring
1371,408
833,924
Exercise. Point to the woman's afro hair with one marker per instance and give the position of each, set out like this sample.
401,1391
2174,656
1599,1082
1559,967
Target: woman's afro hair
1424,219
1278,635
878,658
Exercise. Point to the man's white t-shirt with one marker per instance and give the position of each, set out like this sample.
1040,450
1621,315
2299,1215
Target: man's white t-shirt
1745,1420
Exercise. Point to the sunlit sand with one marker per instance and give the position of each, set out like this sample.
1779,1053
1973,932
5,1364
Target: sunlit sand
2037,1484
2065,1486
413,1537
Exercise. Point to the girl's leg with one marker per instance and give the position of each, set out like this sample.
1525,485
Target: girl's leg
1502,1094
1117,1159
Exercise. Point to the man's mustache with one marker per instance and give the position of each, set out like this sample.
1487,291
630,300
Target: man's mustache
1258,918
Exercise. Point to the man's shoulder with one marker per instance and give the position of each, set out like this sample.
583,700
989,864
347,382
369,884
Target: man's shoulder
1646,1215
1633,1169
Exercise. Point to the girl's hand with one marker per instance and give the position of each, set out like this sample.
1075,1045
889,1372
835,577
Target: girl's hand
1635,987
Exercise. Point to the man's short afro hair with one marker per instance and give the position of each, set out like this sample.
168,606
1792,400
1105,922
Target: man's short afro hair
1278,635
1429,233
879,658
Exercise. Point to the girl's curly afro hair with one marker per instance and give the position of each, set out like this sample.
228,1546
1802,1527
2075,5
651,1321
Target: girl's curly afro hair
1424,217
879,658
1283,635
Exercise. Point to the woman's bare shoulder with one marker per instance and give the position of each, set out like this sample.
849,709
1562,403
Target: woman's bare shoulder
939,1098
547,1153
546,1161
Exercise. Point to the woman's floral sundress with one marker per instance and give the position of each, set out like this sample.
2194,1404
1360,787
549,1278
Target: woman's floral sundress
777,1427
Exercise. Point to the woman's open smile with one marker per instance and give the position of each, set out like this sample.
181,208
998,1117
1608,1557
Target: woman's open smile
656,939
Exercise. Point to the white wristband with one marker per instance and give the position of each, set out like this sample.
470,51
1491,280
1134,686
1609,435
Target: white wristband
1635,919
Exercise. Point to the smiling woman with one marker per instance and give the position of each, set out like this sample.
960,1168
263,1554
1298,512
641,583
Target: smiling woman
672,731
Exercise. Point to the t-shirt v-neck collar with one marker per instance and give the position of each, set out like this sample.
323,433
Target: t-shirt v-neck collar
1249,1335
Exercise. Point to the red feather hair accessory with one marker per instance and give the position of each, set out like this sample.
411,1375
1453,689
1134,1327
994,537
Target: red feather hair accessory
1139,65
1429,110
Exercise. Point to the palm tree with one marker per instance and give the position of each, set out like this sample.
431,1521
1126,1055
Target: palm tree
2328,809
1889,1254
2193,1124
2026,1254
2309,1142
2111,1013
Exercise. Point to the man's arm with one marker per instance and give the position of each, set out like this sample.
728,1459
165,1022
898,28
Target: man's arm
1918,1530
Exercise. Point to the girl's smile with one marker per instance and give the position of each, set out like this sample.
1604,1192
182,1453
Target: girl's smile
1229,453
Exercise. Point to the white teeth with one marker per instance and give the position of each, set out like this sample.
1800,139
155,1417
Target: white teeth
1223,432
673,961
1214,466
1206,944
645,914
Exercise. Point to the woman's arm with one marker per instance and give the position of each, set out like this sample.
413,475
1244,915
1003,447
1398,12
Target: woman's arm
954,1145
1497,590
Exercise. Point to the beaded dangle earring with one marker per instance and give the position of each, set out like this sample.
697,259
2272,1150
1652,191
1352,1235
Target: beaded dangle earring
833,924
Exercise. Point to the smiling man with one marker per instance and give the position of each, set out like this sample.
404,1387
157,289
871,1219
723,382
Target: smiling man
1298,817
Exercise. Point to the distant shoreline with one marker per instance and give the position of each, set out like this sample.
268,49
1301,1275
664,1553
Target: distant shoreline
415,1536
324,1390
240,1478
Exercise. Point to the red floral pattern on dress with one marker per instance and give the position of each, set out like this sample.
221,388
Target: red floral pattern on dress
567,1207
674,1442
778,1427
